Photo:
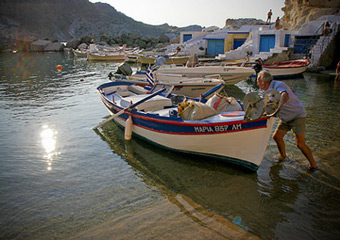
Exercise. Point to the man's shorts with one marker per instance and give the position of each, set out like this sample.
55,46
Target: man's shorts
298,126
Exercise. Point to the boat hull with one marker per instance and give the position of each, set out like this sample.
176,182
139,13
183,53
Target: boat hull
227,146
288,69
280,73
115,57
79,54
169,60
229,138
189,87
231,75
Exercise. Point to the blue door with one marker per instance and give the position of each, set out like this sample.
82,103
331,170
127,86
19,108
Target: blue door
215,47
287,36
238,42
187,37
267,42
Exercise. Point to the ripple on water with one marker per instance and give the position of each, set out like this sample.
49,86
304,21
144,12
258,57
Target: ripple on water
94,185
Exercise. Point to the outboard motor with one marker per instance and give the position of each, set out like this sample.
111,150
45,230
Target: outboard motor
124,69
110,75
160,61
258,65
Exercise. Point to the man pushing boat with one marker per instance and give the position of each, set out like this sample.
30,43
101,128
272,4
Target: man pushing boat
292,117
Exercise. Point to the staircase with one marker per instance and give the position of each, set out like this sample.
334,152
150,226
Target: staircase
242,51
321,45
265,55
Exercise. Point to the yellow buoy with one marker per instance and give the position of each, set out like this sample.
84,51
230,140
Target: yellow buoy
128,128
59,68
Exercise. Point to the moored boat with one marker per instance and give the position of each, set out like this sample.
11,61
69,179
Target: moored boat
235,62
230,74
179,60
102,53
191,87
115,56
287,69
132,54
159,120
79,53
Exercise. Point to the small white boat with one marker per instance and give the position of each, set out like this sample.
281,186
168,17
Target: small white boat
106,56
133,54
145,59
79,53
191,87
159,120
101,53
230,74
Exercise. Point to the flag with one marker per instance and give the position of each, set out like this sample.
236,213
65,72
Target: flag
149,76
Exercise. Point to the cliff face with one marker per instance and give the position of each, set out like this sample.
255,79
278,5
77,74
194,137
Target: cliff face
63,20
298,13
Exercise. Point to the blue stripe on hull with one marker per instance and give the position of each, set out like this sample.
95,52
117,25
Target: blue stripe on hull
177,126
208,128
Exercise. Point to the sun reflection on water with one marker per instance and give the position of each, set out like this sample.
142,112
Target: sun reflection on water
48,139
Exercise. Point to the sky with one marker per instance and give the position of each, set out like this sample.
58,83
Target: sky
206,13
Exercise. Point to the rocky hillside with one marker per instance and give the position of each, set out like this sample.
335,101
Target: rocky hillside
63,20
298,13
237,23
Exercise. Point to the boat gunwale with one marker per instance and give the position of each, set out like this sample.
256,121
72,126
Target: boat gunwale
178,121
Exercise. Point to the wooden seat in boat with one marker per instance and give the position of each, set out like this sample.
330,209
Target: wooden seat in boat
153,104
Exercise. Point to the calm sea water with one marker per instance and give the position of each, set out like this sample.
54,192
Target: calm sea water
59,179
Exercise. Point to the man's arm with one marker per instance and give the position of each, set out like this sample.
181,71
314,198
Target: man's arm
284,97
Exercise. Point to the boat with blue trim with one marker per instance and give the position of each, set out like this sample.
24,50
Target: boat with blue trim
159,119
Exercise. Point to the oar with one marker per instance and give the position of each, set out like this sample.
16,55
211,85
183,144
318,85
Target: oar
130,107
170,90
214,89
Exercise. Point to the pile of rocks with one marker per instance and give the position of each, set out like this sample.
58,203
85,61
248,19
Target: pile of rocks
131,40
38,45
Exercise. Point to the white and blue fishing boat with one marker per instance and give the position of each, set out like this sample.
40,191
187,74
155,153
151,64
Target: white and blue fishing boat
157,118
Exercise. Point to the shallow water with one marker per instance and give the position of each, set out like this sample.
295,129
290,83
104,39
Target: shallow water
59,179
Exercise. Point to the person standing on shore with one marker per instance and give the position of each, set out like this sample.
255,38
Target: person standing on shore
337,77
327,29
292,117
269,17
277,23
